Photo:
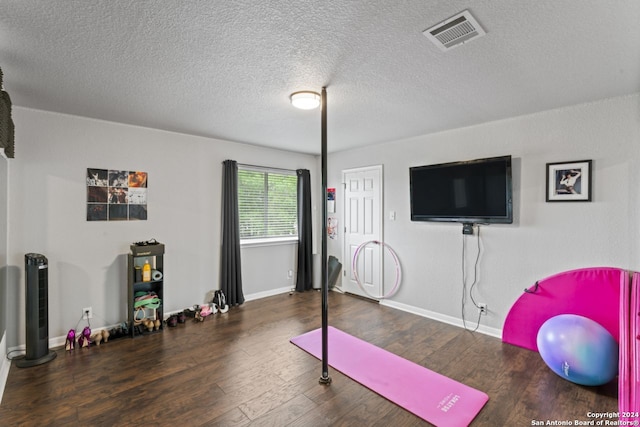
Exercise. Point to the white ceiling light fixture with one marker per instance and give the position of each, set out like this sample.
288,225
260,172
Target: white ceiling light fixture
305,100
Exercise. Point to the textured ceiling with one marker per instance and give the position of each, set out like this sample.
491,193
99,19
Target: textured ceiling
225,69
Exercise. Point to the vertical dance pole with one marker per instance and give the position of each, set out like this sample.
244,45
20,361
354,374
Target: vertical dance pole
325,378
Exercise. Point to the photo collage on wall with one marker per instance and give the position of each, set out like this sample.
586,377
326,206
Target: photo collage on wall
115,195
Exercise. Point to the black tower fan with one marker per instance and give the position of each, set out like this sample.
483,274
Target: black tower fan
37,312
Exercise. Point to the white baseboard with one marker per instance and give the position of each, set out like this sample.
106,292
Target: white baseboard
55,341
265,294
59,341
497,333
5,364
493,332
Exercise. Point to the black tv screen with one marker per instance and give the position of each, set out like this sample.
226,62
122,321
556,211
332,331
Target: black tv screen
476,191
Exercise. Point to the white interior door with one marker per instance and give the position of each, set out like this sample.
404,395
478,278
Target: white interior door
363,223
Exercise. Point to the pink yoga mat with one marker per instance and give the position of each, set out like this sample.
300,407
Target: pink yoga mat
427,394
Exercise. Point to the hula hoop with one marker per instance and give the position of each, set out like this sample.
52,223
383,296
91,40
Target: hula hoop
354,263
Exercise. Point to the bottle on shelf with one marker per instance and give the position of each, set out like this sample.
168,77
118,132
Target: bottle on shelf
146,271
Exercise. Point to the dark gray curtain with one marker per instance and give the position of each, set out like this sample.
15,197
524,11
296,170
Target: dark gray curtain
230,266
304,279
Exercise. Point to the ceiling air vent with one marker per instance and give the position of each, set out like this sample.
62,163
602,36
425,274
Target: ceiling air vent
454,31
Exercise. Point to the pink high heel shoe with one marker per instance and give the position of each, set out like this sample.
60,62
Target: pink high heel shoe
85,338
71,340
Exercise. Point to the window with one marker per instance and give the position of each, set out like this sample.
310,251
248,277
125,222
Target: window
267,202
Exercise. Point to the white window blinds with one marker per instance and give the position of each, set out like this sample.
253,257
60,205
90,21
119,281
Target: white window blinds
267,204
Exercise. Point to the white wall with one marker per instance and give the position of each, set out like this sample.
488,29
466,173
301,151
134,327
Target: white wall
4,185
87,260
46,197
545,238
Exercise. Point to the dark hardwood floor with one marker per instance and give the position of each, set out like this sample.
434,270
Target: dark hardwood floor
239,369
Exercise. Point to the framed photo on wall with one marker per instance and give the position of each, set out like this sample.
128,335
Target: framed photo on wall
116,195
569,181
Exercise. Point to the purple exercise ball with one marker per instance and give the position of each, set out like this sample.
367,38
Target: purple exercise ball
578,349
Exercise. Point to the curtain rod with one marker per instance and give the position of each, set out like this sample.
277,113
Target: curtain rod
267,167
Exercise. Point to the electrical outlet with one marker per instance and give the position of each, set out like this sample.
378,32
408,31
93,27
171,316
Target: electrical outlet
482,309
87,313
290,274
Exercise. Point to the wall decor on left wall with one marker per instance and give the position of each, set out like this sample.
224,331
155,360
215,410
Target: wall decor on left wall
116,195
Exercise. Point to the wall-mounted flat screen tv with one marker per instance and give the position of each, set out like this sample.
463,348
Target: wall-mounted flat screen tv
476,191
